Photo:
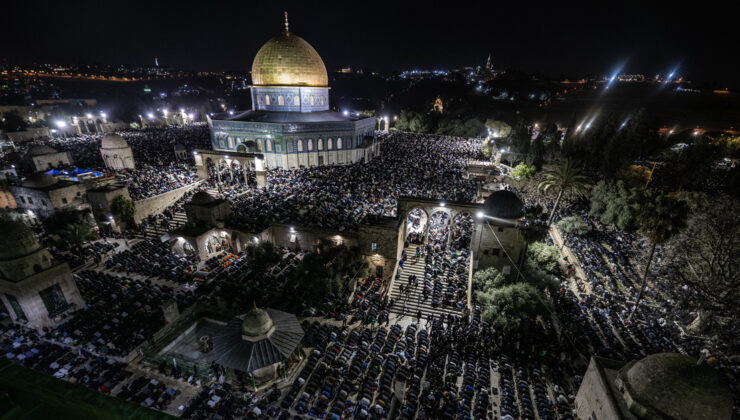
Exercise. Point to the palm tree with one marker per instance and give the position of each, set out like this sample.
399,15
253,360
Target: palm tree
661,219
565,178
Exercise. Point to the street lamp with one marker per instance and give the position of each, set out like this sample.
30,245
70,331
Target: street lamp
61,124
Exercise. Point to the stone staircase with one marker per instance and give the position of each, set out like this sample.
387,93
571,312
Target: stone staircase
178,220
411,303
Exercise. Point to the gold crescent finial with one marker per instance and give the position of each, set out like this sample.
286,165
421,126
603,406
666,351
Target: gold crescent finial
286,21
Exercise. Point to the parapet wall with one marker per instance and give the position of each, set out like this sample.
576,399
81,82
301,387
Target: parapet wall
158,203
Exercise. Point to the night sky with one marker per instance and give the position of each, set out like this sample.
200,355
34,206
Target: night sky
574,40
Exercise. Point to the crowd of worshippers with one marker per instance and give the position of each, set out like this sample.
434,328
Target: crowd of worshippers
148,181
446,256
153,258
120,313
342,196
444,368
607,294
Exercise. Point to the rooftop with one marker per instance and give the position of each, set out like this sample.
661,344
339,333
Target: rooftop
289,117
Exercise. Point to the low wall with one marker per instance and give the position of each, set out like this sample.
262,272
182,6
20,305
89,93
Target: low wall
29,134
158,203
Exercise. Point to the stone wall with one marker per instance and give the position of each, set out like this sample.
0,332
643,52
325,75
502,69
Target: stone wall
594,399
382,244
157,204
30,134
297,237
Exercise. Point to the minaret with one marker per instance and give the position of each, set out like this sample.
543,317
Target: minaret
286,23
489,65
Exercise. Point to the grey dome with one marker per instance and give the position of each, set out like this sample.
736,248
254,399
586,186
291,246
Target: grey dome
257,323
16,240
202,197
504,205
673,385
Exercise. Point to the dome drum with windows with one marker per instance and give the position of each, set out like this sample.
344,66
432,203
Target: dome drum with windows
290,122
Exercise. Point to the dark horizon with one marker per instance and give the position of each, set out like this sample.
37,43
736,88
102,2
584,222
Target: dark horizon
585,40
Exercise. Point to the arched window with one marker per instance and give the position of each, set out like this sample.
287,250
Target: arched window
281,101
328,143
231,142
269,145
320,144
267,99
300,145
309,145
260,145
339,143
310,100
297,100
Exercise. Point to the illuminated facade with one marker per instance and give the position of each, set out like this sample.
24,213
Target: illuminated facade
290,122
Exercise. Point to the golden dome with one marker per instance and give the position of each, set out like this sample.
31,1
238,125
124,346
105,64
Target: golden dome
288,60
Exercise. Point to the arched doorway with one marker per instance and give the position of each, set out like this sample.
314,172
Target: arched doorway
216,243
416,224
439,230
462,232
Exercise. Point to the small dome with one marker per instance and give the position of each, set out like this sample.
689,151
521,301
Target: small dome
674,385
41,150
257,323
16,240
113,141
503,204
288,60
39,180
202,197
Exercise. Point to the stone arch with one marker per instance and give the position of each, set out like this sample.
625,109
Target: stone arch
299,145
438,232
182,246
462,228
241,148
216,242
417,221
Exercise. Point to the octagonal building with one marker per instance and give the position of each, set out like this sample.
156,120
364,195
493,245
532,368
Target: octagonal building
290,122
